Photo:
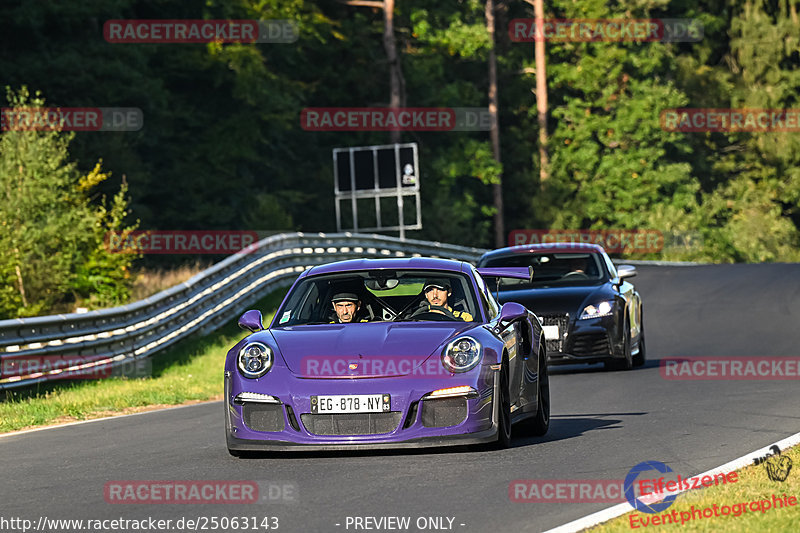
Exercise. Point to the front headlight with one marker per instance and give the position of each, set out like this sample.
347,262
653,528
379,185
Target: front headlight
596,311
462,355
255,360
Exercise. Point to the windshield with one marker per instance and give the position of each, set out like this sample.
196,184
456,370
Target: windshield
552,268
380,296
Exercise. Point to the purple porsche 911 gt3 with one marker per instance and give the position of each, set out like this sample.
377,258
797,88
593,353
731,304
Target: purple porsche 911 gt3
387,353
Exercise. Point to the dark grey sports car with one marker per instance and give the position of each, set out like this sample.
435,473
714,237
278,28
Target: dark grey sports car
589,311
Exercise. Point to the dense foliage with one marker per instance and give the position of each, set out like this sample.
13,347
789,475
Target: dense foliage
222,146
52,249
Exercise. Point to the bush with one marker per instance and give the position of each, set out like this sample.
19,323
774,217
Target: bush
52,254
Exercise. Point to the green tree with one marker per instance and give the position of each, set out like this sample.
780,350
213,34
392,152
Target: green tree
611,164
753,212
51,244
222,146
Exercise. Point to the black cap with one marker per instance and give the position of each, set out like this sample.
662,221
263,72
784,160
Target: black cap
345,297
439,283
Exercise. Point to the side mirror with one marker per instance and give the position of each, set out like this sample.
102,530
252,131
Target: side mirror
511,311
251,320
626,271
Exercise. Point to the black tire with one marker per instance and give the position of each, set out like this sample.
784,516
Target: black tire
641,357
626,363
504,411
540,423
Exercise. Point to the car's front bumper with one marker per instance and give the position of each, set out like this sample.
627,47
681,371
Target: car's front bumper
586,341
293,427
489,435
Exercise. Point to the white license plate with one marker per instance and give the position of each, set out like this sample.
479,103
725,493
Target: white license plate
550,332
351,403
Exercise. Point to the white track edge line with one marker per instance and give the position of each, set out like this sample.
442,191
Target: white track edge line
110,417
623,508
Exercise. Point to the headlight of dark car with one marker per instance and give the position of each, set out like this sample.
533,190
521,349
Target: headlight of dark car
598,310
462,355
255,360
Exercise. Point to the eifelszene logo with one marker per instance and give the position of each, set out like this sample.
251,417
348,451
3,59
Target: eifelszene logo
635,502
777,466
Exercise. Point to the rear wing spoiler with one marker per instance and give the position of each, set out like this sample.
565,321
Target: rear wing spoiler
525,273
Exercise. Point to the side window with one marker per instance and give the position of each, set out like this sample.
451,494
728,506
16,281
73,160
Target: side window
494,307
489,303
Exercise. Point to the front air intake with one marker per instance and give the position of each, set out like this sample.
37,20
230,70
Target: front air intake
439,413
263,416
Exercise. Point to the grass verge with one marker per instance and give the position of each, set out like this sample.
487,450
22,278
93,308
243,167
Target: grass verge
189,371
150,281
737,498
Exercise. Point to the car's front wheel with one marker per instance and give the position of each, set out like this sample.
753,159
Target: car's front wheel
540,423
641,355
626,362
504,410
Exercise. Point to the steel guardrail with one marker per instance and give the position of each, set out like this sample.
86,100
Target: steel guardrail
75,343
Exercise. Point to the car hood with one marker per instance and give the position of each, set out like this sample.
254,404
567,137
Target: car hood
559,299
377,349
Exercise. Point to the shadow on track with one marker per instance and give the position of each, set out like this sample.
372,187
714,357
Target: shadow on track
590,368
339,454
564,427
561,427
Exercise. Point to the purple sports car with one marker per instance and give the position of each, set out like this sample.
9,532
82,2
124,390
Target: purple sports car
387,353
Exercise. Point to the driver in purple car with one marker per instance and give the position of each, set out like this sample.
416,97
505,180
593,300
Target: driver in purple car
436,293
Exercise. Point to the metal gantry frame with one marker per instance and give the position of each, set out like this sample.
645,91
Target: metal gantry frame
400,191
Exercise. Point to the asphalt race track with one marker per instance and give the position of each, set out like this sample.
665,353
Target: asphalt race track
603,424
